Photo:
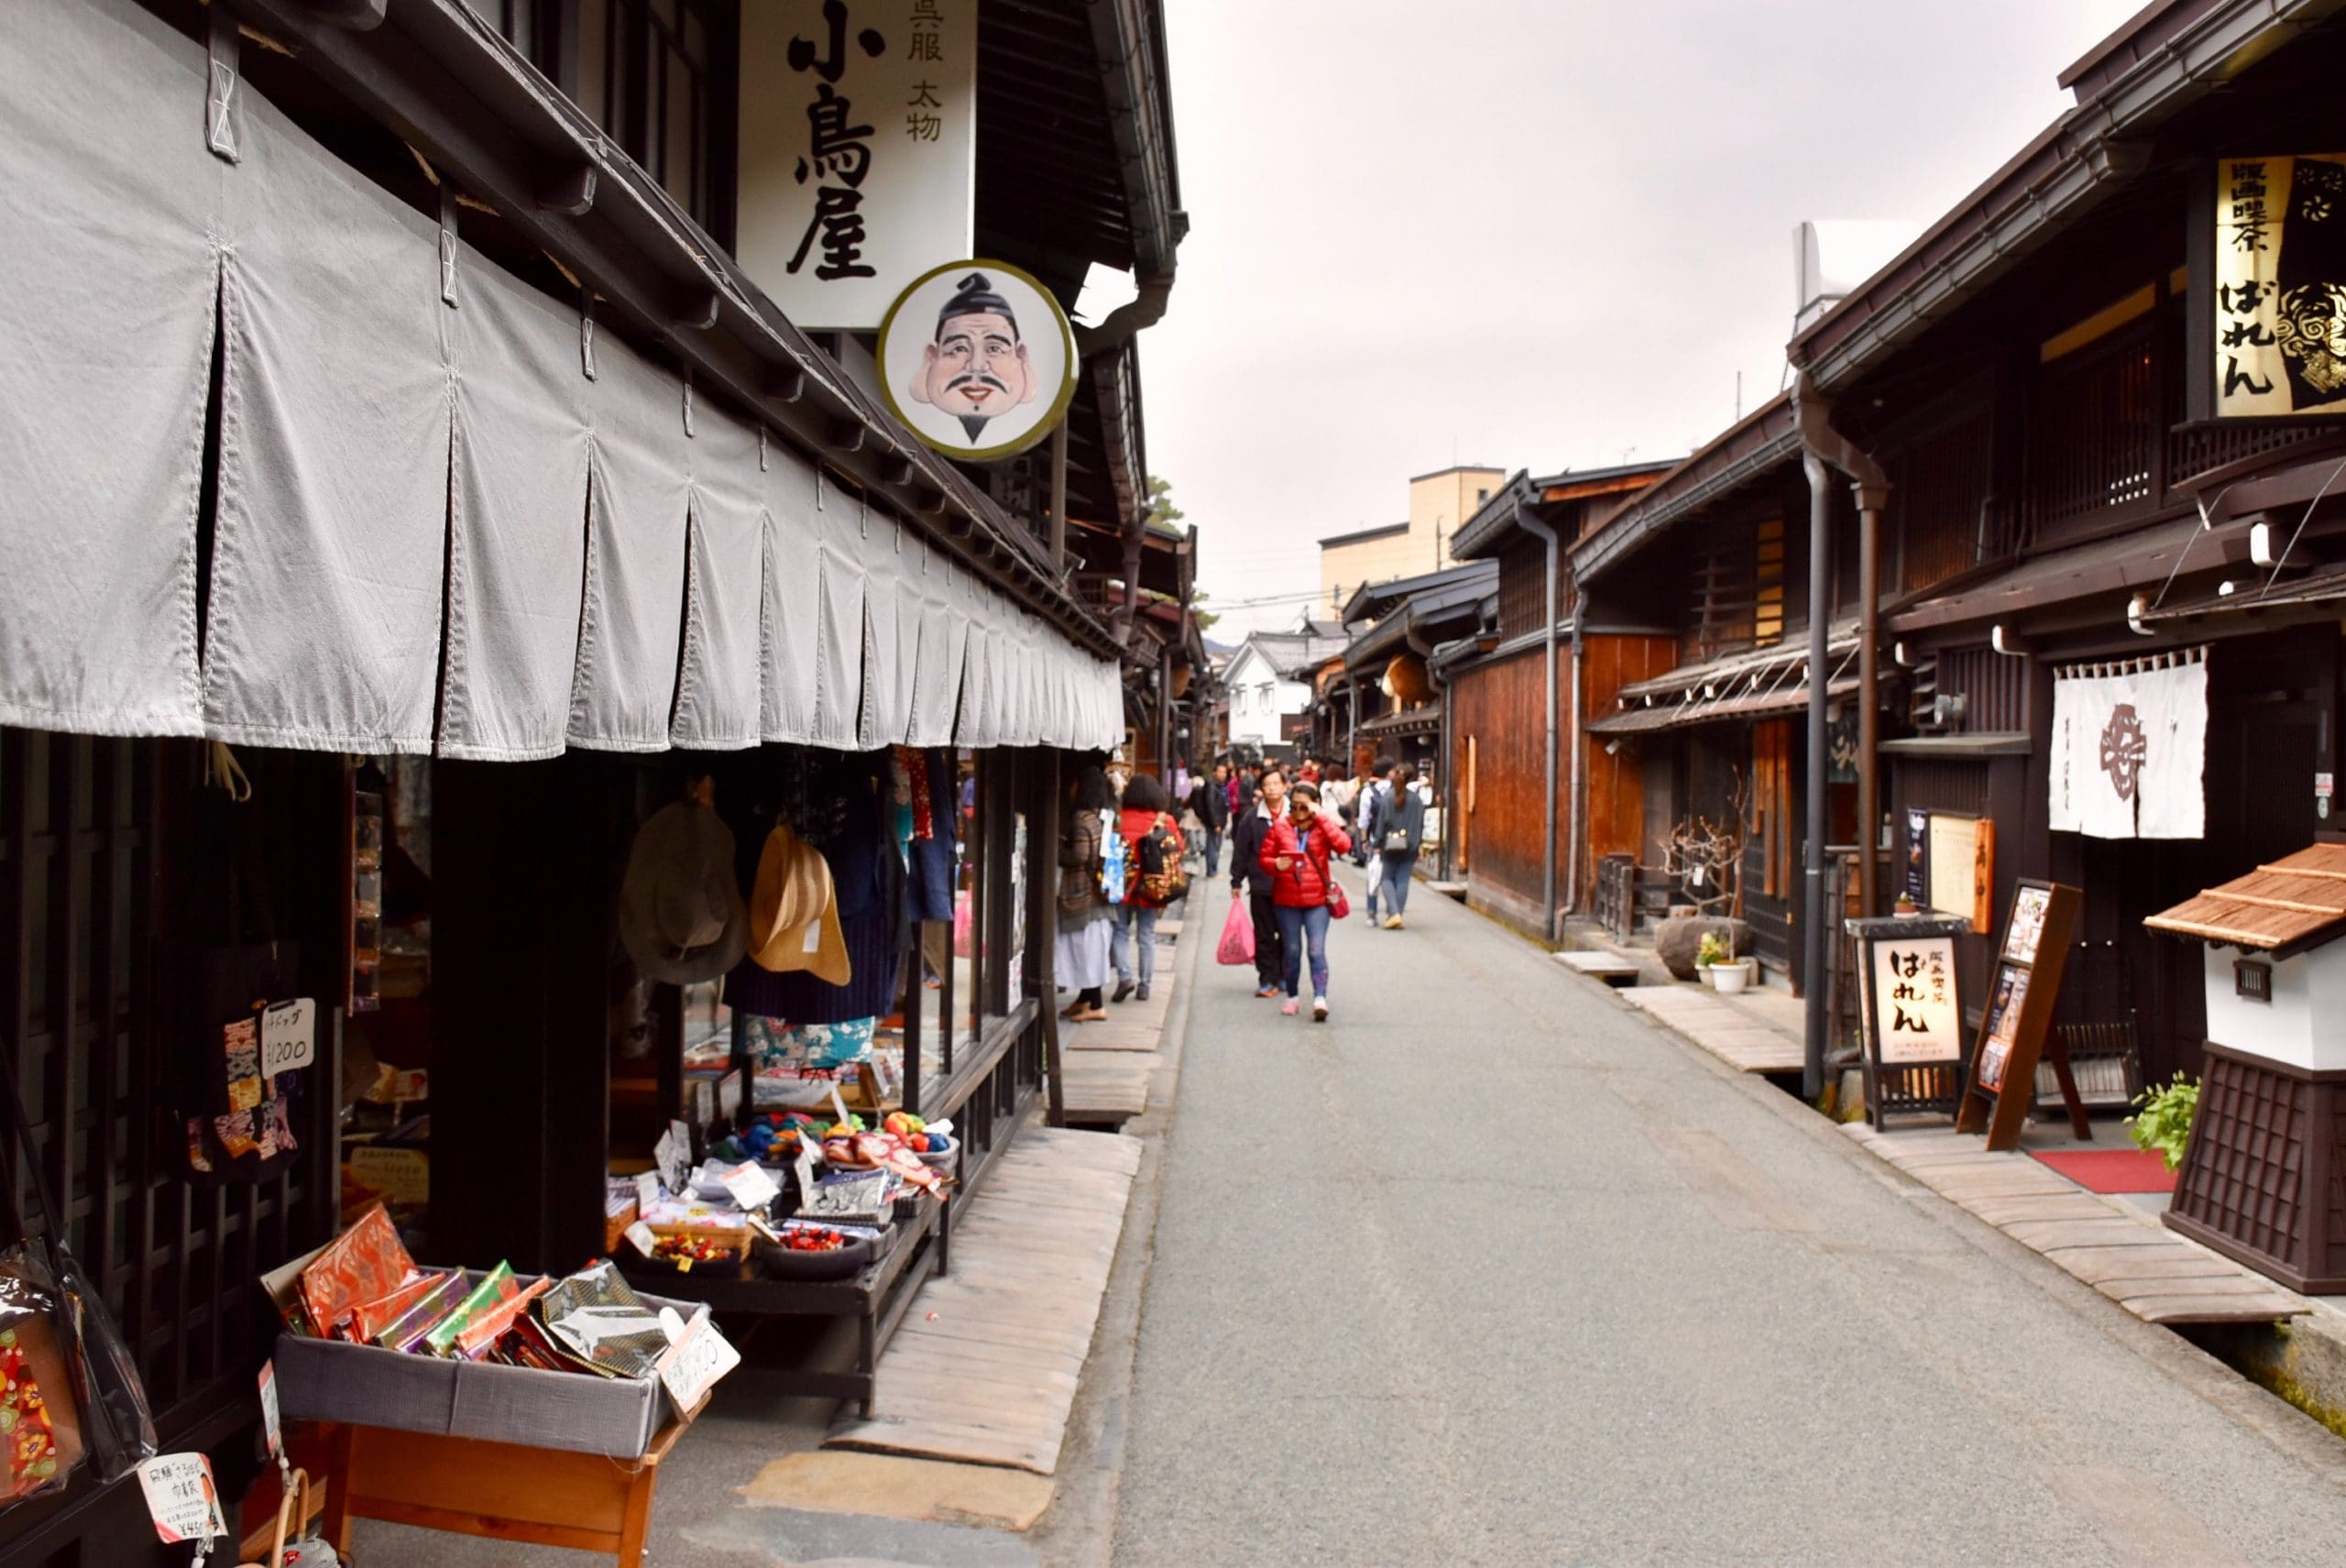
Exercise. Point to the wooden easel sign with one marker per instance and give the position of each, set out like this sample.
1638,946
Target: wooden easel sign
2020,1015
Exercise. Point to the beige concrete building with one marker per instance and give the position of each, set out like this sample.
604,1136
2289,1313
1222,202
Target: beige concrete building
1439,502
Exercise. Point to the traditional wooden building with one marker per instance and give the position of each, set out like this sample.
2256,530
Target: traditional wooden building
1534,809
2113,551
1396,709
384,380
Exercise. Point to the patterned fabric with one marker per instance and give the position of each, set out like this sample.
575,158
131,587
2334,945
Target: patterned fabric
777,1047
24,1423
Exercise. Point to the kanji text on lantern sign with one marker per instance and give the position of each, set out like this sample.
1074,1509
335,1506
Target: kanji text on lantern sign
1920,976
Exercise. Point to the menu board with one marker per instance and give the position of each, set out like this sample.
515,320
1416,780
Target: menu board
2019,1019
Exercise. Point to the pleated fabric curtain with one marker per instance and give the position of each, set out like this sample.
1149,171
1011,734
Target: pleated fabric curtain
793,608
890,634
404,426
109,282
517,522
840,524
720,697
944,645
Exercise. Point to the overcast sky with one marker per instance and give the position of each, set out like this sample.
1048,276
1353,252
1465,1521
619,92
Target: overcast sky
1529,233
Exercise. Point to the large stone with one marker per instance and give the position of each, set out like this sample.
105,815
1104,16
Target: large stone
1677,942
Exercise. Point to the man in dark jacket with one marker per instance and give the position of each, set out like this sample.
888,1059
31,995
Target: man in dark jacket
1247,831
1211,800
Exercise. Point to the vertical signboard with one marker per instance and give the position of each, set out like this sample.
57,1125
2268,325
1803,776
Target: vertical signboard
858,150
2279,324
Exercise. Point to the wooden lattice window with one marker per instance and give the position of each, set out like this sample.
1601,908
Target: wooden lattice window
1939,489
2097,440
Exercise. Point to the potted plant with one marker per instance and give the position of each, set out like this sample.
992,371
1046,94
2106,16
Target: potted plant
2163,1124
1711,958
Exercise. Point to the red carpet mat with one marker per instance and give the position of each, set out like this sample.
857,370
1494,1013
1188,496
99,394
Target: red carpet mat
2110,1170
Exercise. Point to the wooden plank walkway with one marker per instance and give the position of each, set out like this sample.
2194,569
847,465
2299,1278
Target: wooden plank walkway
2119,1249
985,1367
1727,1033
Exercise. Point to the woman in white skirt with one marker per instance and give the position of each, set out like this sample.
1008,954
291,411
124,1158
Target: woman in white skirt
1084,923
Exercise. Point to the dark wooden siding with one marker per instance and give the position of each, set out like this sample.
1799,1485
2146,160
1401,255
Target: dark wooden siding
1523,589
1994,687
1939,485
1499,707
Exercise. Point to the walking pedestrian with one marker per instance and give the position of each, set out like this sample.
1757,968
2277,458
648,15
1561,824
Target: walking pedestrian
1297,851
1081,950
1210,801
1243,786
1253,881
1401,832
1153,854
1374,801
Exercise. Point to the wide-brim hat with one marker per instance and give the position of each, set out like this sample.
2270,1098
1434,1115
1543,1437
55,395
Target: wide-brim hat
792,886
681,916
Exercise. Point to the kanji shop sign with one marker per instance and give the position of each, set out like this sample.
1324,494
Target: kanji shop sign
978,359
2280,296
1915,1017
858,157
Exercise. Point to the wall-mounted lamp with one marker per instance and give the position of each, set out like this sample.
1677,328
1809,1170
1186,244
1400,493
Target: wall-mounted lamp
1613,748
2136,608
2260,544
1899,655
2008,643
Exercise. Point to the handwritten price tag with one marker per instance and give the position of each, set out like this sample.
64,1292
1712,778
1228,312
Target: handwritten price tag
268,1421
288,1035
751,1186
181,1498
695,1362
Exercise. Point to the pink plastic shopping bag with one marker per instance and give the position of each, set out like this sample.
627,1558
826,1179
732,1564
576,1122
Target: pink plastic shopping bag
1237,935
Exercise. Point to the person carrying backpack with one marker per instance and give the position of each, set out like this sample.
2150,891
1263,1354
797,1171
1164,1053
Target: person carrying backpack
1153,851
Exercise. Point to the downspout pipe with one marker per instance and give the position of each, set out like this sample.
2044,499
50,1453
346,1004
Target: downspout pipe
1824,451
1541,529
1576,844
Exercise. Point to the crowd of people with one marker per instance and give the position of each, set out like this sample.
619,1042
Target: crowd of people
1124,851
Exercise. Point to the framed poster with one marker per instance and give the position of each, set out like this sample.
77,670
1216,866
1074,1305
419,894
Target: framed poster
1918,857
2027,928
1962,867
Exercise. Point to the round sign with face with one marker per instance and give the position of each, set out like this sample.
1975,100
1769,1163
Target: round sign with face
978,359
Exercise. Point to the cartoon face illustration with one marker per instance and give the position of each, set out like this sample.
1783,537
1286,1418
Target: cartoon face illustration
977,366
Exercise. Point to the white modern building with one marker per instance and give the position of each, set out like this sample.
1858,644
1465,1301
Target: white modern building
1263,694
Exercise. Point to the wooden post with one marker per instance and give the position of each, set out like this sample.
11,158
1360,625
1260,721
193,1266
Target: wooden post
1043,849
1058,496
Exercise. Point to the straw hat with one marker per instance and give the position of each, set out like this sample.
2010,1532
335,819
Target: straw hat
680,910
794,913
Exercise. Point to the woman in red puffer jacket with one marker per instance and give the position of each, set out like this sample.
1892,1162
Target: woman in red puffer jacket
1296,851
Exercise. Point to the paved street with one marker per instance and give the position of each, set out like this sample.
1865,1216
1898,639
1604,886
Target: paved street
1490,1269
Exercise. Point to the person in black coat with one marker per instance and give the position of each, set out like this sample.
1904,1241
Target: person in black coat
1246,873
1210,799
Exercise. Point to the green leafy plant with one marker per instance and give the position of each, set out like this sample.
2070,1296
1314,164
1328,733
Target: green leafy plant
1713,951
2163,1121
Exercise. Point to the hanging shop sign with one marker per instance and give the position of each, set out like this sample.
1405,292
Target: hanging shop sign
2280,298
858,150
2130,742
978,359
2013,1032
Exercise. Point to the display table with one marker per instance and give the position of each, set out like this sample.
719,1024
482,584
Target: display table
875,1300
497,1491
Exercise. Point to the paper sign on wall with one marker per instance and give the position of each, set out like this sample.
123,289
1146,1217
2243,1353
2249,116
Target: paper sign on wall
181,1498
288,1035
403,1176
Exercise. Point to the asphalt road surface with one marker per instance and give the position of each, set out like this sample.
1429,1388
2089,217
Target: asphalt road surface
1488,1269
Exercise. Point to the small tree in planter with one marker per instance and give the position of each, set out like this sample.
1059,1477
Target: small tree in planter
1706,858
